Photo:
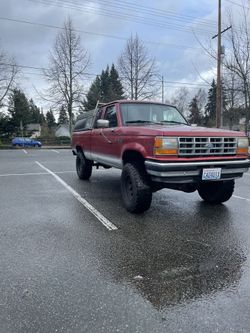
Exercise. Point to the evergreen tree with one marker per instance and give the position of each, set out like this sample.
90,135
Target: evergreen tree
19,109
63,117
50,119
35,115
93,95
6,126
210,108
195,116
105,88
42,118
116,86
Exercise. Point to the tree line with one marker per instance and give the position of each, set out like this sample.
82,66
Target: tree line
22,111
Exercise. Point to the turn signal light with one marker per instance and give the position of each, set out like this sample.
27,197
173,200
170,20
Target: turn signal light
242,147
166,146
242,151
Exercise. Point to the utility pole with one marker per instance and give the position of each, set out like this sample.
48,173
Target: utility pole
220,52
162,89
218,88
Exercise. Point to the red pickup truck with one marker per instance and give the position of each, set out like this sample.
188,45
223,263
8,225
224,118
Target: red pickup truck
156,148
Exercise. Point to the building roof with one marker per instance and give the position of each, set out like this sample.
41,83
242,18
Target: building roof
33,127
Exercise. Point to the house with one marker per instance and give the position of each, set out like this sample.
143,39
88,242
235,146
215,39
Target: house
33,130
62,130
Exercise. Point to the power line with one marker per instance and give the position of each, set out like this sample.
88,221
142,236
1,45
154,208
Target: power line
166,83
166,14
146,10
92,33
237,4
126,17
71,4
94,75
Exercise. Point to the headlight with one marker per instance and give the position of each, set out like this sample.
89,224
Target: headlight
165,146
242,147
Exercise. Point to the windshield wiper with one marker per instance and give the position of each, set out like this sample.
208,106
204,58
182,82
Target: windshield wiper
173,122
139,121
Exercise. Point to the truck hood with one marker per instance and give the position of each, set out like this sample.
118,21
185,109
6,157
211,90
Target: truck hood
180,130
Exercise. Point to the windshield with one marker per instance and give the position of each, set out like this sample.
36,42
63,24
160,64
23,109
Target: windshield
136,113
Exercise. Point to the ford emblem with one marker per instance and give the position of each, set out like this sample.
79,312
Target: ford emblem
209,145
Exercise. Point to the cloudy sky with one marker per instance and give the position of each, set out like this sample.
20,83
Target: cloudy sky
170,30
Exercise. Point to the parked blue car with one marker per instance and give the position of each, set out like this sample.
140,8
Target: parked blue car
26,142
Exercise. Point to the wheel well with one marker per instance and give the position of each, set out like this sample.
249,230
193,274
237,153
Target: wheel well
133,156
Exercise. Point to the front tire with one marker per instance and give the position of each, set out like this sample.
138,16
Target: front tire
216,192
83,166
135,189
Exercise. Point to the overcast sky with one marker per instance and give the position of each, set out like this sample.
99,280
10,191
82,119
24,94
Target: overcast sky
170,30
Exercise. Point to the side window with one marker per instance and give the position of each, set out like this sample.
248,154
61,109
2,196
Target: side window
110,115
84,121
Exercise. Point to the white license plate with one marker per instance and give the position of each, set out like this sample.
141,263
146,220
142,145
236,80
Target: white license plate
211,174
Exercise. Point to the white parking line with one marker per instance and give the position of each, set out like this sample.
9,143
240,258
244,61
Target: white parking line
237,197
32,173
25,151
55,151
109,225
23,174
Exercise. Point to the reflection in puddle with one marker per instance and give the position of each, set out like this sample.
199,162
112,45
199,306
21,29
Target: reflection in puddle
192,255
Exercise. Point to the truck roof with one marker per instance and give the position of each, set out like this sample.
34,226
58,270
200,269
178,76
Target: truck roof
133,101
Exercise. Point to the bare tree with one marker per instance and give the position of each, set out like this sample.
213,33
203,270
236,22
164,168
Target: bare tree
137,70
238,60
201,99
8,73
68,63
181,99
234,98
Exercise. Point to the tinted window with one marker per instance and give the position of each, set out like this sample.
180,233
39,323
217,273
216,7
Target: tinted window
110,115
84,122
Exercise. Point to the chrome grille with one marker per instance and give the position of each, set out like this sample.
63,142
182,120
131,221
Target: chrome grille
207,146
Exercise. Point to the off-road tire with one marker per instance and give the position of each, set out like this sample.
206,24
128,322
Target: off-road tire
216,192
83,166
135,188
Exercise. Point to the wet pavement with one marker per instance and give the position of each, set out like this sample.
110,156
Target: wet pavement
183,266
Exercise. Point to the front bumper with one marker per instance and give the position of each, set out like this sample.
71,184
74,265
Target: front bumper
190,172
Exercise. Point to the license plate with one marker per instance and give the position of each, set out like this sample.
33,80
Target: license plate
211,174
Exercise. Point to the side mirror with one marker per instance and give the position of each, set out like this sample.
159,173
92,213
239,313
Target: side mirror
102,123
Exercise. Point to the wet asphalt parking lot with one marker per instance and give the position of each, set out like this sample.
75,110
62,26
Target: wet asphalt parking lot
73,260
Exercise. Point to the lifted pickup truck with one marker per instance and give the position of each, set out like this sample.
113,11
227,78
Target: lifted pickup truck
156,148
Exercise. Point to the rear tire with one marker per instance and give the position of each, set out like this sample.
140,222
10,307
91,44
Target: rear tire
135,188
83,166
216,192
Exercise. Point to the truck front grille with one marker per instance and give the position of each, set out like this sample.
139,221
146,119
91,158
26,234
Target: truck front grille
207,146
